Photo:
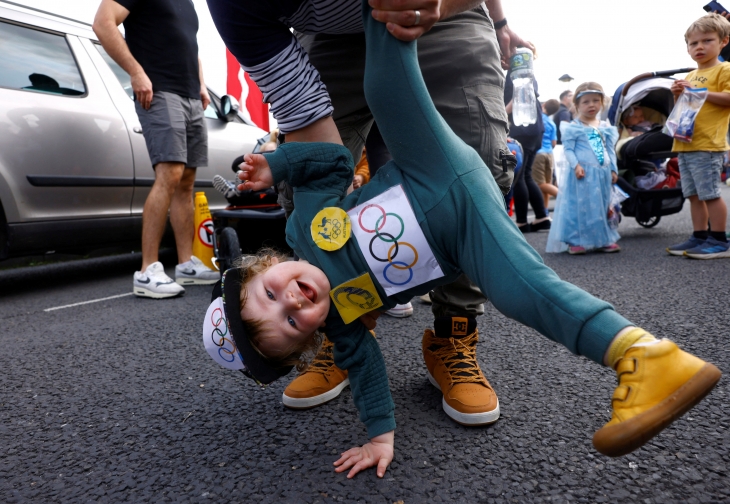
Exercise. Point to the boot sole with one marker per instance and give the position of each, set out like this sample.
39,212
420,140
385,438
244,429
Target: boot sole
467,419
311,402
625,437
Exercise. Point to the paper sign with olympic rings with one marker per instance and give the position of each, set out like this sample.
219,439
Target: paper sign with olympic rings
393,243
218,340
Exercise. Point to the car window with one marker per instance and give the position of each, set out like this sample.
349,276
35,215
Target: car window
38,61
210,112
121,75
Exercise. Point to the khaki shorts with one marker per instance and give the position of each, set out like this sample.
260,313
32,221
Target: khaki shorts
542,168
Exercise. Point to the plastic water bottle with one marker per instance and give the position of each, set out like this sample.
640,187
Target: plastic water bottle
524,103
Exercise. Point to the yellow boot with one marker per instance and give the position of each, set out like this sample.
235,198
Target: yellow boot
658,383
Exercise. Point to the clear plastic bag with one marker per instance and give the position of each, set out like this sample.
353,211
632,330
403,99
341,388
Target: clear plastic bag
614,206
681,122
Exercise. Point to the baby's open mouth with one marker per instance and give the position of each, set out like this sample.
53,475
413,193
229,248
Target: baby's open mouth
308,292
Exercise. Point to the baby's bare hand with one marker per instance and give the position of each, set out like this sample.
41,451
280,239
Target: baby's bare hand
378,452
255,173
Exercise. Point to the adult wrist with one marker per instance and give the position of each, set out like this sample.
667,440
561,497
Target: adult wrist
498,25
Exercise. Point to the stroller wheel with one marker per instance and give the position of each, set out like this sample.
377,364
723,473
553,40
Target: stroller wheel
229,249
650,222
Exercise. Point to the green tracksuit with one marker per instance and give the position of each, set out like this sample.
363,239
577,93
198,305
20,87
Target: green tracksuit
460,210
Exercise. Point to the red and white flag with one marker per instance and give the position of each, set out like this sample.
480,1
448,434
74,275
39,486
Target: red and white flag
240,84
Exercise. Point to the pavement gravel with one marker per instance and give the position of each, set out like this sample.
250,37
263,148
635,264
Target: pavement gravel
117,401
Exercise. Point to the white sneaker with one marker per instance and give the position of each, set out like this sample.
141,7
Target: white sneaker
401,310
195,272
426,298
154,283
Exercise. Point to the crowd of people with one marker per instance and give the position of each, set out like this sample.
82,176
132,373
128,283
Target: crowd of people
427,125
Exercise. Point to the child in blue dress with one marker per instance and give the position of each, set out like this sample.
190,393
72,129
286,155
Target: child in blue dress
580,222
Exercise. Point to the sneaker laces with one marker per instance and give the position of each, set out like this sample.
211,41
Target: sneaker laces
460,358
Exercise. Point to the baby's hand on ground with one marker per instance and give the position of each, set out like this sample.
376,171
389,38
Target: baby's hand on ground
378,452
255,173
579,172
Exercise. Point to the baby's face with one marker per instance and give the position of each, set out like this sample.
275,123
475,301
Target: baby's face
292,298
635,118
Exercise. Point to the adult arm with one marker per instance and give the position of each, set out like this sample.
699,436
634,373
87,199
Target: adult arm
108,17
204,97
508,40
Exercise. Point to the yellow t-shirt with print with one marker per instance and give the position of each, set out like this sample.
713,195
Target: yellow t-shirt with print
711,123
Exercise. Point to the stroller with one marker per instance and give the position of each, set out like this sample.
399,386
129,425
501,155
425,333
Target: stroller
652,91
251,219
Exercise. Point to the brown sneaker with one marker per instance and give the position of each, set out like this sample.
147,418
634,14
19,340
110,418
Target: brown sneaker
658,383
452,368
320,383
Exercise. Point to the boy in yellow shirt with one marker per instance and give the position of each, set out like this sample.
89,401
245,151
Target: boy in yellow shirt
700,161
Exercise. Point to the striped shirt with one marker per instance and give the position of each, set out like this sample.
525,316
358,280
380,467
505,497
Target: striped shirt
259,36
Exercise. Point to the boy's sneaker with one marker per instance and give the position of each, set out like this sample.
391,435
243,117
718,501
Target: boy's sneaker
658,383
320,383
195,272
154,283
228,189
401,310
452,367
680,248
576,250
710,249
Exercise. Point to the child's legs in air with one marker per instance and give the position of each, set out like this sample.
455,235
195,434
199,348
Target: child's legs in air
658,382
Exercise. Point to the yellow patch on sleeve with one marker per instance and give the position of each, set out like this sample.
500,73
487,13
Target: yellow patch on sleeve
356,297
331,228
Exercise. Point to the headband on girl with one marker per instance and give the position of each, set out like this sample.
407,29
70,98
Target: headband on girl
589,91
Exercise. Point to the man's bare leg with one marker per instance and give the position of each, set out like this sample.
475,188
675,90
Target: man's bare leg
182,215
154,216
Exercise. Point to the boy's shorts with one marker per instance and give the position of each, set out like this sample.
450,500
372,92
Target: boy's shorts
700,174
542,168
174,130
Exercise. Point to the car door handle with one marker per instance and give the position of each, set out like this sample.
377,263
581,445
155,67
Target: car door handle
137,129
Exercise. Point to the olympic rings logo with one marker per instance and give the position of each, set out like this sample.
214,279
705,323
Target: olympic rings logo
389,237
217,319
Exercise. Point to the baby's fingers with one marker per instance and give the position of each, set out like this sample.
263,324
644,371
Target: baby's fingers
363,464
347,459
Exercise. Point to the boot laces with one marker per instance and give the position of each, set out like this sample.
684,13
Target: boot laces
324,360
460,358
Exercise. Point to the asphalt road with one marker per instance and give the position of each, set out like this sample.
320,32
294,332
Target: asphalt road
117,401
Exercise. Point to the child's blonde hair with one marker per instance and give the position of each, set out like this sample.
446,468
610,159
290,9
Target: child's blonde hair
709,23
588,86
249,266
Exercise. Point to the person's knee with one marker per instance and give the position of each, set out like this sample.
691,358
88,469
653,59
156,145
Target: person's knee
168,176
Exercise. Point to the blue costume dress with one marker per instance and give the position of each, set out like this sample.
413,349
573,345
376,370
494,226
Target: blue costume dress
457,206
580,217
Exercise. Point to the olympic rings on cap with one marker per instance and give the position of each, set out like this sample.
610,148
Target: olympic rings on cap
224,353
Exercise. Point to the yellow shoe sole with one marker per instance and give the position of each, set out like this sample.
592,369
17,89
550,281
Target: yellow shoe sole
624,437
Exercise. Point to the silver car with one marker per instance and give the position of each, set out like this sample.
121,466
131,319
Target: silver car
74,168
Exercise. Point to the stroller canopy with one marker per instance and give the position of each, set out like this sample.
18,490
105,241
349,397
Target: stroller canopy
653,93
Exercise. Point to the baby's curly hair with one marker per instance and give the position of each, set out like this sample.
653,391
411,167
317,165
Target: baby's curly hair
709,23
249,266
